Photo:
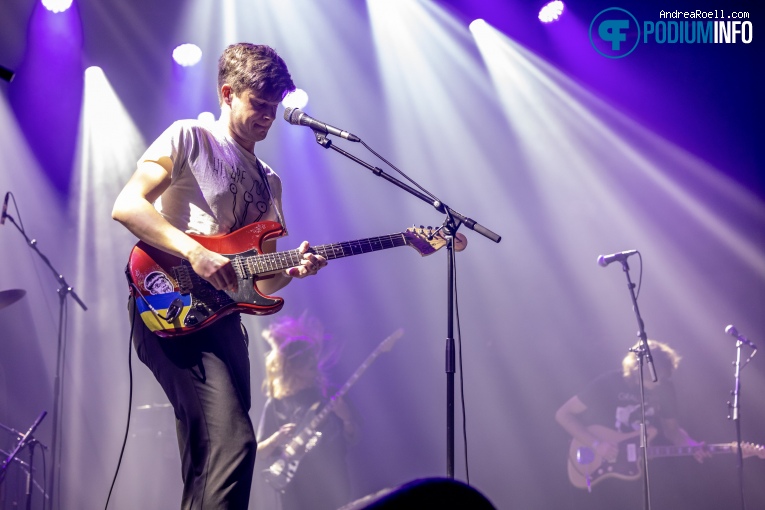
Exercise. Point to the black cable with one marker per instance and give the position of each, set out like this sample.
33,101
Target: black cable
46,496
130,402
462,377
402,174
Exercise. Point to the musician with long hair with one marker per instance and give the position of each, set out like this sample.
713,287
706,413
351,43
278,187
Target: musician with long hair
298,387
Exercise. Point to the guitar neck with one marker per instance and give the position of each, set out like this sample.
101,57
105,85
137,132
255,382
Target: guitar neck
679,451
316,421
273,262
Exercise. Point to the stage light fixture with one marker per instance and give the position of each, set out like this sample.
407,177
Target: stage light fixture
94,72
206,117
477,25
298,98
551,12
187,54
57,5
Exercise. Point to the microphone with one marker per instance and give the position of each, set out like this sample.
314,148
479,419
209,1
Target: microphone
299,118
5,208
604,260
732,331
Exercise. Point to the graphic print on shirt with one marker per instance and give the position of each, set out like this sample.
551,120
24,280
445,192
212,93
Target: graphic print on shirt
627,416
247,191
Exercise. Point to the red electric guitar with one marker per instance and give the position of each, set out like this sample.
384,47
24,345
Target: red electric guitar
173,300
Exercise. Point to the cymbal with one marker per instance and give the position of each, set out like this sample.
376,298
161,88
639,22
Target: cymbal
8,297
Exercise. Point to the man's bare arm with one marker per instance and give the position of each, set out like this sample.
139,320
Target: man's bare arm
133,208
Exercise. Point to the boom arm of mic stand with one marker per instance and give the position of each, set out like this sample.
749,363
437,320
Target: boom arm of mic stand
470,223
645,351
64,289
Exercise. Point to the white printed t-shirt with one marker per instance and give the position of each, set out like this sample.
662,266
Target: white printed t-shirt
216,186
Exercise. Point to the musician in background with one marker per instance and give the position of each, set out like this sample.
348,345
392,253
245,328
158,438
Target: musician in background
613,401
297,387
206,179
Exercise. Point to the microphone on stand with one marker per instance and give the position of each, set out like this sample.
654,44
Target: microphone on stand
299,118
604,260
732,331
5,208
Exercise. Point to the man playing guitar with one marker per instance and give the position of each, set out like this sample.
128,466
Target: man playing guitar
206,180
607,413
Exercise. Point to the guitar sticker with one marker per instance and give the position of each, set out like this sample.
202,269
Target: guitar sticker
157,283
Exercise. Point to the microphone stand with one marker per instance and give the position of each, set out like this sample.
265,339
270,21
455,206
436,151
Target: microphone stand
449,228
736,416
63,290
642,351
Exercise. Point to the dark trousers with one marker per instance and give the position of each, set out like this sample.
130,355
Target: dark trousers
206,377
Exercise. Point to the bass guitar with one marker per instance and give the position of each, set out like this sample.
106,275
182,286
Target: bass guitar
586,467
173,300
280,473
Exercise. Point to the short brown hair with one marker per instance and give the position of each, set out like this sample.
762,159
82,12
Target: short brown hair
256,67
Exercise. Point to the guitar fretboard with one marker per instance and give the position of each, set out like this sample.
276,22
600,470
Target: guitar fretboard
330,406
347,386
677,451
253,265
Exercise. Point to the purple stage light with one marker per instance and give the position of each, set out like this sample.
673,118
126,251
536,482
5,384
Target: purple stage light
57,5
187,55
551,12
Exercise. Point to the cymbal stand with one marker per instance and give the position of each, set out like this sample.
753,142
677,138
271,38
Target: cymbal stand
26,440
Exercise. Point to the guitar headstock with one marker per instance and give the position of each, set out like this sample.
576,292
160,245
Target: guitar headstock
429,240
752,450
748,449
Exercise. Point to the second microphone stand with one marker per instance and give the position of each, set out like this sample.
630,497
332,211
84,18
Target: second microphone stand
735,415
642,352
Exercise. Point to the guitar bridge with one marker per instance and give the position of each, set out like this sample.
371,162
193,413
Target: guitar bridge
182,275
